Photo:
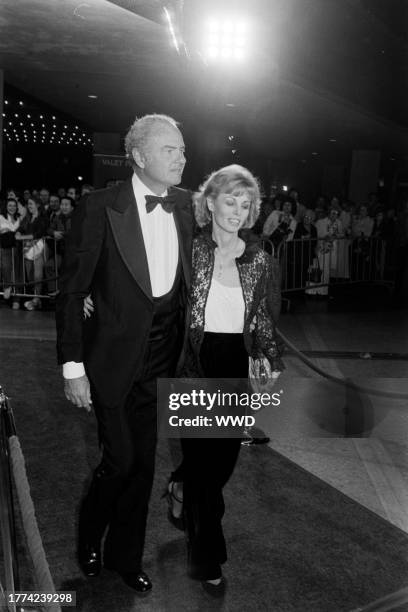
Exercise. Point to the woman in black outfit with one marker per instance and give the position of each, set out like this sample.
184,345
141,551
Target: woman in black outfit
235,288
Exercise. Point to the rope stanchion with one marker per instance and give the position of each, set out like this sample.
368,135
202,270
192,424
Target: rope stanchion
335,379
42,572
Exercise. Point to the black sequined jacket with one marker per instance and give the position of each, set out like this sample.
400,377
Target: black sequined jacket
260,282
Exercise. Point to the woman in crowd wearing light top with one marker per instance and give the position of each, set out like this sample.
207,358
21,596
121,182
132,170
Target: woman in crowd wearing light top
235,300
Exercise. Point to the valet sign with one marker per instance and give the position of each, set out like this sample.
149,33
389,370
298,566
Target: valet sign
109,168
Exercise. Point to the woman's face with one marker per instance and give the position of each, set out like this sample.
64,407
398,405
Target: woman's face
230,210
32,207
333,215
308,218
287,208
11,207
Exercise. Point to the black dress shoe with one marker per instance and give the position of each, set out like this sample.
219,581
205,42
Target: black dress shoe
89,556
138,581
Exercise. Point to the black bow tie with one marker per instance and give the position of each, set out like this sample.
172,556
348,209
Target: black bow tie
168,203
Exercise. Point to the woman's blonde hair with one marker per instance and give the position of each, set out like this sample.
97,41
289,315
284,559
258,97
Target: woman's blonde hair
229,179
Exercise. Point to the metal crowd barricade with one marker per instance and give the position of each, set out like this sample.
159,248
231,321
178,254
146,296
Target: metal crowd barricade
310,265
30,268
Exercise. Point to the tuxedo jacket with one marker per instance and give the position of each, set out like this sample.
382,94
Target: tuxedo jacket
105,256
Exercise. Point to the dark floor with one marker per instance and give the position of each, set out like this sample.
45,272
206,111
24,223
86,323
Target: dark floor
315,521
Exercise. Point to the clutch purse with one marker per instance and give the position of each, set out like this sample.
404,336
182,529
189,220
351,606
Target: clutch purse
261,377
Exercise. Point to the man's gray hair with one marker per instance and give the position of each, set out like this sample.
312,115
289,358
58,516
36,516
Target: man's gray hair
141,130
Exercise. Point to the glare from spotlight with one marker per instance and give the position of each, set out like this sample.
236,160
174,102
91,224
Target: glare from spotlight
226,39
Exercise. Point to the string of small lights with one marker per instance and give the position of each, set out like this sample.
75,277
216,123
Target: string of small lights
25,124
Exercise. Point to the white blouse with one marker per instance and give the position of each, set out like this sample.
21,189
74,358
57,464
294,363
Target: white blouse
7,224
225,309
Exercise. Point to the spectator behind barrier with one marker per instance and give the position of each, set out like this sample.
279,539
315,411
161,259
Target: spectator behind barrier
32,229
59,227
305,238
280,225
9,224
54,206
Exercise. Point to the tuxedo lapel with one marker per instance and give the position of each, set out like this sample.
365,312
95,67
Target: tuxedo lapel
125,223
183,221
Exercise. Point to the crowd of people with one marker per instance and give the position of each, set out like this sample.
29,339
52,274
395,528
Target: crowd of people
33,225
332,239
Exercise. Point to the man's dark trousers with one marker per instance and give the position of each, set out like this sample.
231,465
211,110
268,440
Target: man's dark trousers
120,490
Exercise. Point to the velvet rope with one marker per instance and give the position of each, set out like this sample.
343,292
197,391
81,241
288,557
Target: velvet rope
335,379
41,570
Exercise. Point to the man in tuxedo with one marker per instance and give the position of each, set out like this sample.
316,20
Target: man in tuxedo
132,252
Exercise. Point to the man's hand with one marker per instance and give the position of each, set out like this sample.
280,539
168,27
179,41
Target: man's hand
77,391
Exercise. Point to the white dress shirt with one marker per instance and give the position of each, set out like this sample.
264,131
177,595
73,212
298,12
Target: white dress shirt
162,251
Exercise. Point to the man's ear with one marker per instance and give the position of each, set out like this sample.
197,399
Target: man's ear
138,157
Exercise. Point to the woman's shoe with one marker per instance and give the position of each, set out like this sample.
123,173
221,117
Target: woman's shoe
175,507
215,588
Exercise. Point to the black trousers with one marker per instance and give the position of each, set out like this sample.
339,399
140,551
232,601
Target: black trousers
119,494
207,465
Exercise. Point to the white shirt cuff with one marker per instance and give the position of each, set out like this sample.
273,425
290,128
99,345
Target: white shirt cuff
73,369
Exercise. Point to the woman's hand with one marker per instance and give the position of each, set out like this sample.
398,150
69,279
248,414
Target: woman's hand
88,307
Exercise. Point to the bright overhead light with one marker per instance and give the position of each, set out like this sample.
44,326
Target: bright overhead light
92,96
284,187
226,39
19,160
212,52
